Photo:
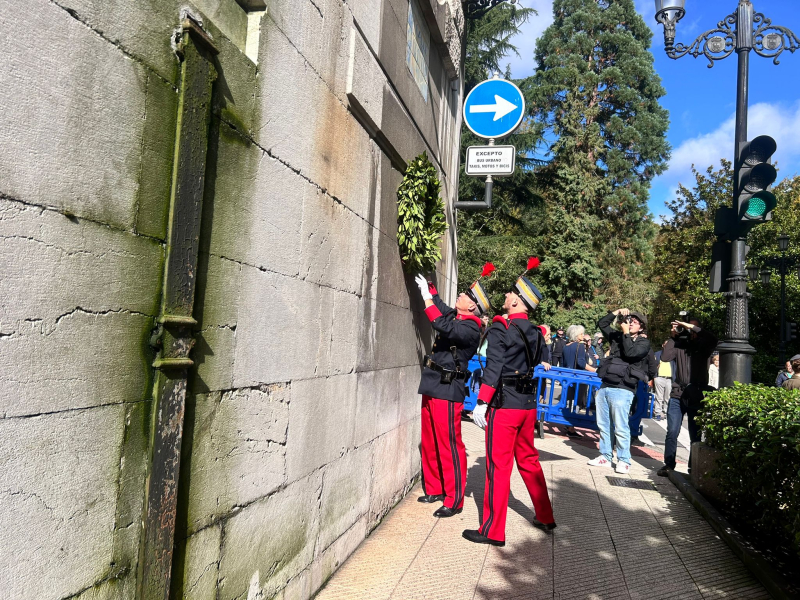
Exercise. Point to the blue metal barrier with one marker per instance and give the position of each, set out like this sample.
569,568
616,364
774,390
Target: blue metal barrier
561,392
476,364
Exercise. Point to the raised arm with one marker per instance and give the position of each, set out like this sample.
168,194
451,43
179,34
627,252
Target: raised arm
604,324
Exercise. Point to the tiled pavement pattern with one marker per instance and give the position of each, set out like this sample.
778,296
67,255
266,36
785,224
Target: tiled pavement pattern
611,542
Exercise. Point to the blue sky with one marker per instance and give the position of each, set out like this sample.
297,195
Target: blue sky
701,101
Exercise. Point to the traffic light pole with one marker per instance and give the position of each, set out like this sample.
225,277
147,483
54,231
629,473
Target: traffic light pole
735,351
743,31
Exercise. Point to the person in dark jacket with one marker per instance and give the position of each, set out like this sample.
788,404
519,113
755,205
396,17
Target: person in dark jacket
557,351
691,352
443,389
784,375
507,411
626,365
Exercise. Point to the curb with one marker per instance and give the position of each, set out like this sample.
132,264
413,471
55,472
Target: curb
777,585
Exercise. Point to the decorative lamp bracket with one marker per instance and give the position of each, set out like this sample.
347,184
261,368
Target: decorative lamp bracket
742,30
771,40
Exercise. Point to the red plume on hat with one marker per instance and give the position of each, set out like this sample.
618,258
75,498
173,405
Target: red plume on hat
533,263
488,269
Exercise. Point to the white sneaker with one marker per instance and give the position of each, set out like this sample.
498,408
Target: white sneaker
622,467
600,461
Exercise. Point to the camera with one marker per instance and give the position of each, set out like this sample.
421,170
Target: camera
623,318
680,329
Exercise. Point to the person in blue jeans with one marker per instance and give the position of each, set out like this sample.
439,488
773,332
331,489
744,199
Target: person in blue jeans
620,374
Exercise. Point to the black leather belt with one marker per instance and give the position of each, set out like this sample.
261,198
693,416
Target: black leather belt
522,384
445,373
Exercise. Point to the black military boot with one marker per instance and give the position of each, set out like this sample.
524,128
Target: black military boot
430,498
545,526
445,511
473,535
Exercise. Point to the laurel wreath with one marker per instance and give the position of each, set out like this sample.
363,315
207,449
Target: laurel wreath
420,216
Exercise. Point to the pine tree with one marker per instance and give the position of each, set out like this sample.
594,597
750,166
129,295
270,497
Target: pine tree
595,96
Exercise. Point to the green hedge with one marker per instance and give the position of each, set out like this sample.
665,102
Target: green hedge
757,430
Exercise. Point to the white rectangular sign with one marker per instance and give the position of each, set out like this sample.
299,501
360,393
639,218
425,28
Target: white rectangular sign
491,160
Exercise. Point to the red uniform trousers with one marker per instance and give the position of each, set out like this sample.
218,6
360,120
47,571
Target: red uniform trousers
444,458
509,436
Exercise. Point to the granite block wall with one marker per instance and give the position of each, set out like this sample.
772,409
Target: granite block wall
302,426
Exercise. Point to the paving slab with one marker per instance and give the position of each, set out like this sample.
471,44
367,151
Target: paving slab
611,541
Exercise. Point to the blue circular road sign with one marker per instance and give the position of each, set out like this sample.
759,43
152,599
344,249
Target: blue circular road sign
494,108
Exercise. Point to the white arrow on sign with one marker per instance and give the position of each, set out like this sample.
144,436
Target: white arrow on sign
500,109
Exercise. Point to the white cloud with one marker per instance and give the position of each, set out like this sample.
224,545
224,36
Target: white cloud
780,121
524,65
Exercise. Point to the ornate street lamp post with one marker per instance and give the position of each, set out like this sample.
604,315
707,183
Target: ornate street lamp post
740,32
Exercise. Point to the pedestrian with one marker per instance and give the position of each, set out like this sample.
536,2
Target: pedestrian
597,346
713,372
662,385
690,346
548,340
793,383
784,374
574,357
557,351
443,389
621,373
507,411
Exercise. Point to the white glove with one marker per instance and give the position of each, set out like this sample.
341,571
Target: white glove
479,415
422,283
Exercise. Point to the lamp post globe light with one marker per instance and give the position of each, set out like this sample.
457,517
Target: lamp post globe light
743,32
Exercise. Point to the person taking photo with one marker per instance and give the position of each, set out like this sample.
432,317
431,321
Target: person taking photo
690,347
621,372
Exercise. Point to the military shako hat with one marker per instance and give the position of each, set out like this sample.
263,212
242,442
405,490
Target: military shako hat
477,292
524,288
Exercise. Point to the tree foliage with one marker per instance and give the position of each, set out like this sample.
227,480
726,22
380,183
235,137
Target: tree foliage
683,262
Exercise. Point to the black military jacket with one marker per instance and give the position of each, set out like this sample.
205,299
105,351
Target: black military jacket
452,329
505,357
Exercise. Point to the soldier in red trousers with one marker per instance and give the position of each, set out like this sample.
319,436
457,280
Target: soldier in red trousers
507,411
443,389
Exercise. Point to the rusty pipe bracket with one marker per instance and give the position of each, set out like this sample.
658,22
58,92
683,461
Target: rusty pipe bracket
190,25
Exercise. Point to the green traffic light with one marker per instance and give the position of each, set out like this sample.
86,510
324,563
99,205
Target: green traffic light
756,208
760,205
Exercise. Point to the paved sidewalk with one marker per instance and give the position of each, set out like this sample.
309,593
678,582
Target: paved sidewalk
611,542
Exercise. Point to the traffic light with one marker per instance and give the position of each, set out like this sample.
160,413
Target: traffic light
791,331
754,174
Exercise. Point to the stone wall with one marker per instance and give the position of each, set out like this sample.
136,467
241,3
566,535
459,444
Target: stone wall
302,428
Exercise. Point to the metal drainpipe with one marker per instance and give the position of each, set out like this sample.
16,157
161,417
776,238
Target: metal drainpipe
196,51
